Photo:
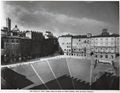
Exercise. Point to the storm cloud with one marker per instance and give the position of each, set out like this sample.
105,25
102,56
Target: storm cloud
63,17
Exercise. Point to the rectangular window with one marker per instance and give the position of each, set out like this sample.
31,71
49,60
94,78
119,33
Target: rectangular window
101,56
17,41
106,56
112,56
12,40
96,56
2,44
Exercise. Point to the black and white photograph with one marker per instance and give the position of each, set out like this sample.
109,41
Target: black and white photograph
60,45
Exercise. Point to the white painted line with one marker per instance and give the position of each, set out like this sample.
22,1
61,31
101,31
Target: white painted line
38,76
54,74
30,86
91,72
70,74
41,59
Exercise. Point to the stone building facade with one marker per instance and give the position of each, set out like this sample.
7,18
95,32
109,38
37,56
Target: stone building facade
103,47
19,45
65,41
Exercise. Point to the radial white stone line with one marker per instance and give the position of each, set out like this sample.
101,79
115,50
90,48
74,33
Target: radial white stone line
91,71
38,76
70,74
53,74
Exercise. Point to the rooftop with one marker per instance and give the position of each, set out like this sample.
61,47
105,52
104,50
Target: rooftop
112,35
67,35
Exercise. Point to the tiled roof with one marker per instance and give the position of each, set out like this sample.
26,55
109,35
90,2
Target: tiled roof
74,36
112,35
80,36
68,35
85,36
18,37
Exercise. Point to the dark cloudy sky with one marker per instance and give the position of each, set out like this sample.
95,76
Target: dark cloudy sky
63,17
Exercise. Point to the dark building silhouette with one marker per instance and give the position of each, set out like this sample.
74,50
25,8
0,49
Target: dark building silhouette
36,43
8,24
17,45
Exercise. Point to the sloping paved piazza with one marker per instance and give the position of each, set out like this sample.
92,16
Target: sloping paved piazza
52,73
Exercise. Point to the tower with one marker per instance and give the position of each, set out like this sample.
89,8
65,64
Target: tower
8,24
105,32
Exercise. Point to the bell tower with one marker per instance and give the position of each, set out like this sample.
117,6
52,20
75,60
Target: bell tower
8,23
